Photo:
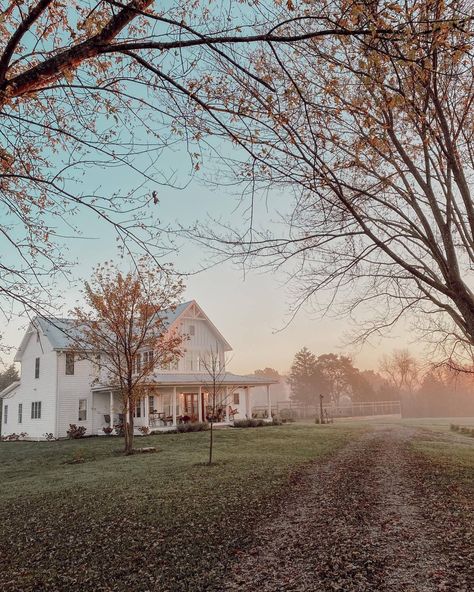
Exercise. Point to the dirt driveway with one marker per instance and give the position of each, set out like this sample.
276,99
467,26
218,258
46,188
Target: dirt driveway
376,517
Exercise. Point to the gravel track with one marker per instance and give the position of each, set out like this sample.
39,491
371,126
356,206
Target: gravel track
373,518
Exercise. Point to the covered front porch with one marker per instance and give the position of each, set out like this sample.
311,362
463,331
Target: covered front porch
174,399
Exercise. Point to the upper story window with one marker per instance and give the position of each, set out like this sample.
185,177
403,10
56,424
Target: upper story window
5,414
137,364
148,359
189,359
192,330
20,412
69,363
37,368
174,365
36,410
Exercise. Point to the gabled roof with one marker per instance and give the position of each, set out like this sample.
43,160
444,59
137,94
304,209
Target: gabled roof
58,332
170,316
182,313
61,332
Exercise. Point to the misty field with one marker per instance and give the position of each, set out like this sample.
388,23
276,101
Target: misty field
161,521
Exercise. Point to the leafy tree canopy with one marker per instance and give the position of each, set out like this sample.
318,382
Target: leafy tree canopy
306,380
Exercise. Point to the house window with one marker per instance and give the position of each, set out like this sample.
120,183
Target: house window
37,368
5,414
82,410
204,363
137,364
189,358
236,398
138,409
192,330
151,403
20,412
70,364
36,410
148,359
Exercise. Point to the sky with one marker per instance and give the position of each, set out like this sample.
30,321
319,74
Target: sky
250,310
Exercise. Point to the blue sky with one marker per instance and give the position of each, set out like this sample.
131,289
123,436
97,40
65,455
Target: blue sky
250,310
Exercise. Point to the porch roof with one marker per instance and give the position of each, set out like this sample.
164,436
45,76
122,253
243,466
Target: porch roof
9,389
188,379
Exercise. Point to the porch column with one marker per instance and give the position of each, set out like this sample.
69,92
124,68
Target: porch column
173,403
247,402
111,409
269,402
200,404
147,411
227,404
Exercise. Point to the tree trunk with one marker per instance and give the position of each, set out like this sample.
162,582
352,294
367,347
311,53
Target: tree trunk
211,443
128,428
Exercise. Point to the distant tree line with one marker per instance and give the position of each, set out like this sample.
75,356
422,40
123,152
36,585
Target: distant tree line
423,391
335,377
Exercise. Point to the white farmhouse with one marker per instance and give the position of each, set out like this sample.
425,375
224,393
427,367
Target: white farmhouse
58,388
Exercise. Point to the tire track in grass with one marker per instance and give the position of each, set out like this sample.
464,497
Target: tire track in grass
357,523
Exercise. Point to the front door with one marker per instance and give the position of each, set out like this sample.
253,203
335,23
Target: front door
191,405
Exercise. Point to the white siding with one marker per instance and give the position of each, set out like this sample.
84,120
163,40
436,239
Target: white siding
71,389
33,389
200,345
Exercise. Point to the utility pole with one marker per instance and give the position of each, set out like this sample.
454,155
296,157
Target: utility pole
321,416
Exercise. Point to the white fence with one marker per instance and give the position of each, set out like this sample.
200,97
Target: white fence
294,410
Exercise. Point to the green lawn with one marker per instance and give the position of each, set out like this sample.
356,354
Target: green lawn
450,452
161,521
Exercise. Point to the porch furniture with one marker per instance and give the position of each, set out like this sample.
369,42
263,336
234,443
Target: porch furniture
155,417
217,417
